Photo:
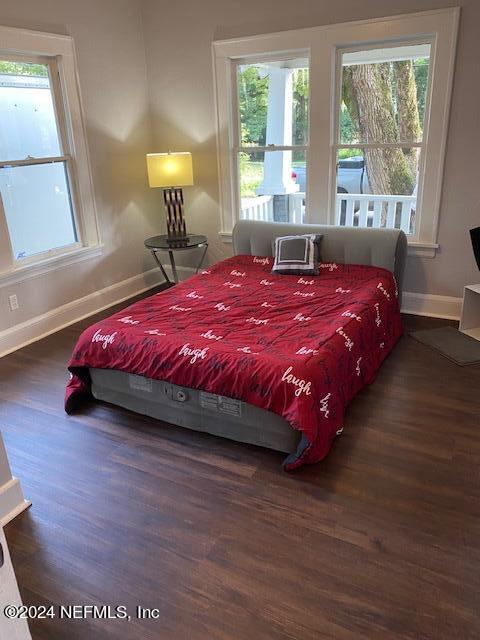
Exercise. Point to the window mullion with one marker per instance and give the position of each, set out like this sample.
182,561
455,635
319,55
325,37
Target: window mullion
78,221
380,145
235,115
271,147
59,107
27,162
235,142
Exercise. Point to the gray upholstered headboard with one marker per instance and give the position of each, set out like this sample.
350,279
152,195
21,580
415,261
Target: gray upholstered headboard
385,248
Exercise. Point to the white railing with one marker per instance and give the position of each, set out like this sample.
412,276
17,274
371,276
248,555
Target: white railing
296,207
368,210
352,210
259,208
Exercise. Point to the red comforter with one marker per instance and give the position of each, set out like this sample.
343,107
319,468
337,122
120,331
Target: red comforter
300,346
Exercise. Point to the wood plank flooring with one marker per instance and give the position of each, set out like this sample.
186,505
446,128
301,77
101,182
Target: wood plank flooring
381,540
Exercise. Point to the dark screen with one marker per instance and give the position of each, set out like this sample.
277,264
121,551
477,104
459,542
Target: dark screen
475,235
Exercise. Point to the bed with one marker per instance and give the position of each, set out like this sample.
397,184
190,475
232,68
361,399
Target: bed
238,352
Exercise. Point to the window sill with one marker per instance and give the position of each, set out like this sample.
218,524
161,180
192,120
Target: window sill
415,249
225,236
33,270
422,249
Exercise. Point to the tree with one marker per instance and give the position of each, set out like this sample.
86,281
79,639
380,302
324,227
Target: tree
23,68
420,70
409,127
253,104
368,95
300,106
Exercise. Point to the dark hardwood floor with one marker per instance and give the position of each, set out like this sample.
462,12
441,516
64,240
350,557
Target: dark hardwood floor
381,540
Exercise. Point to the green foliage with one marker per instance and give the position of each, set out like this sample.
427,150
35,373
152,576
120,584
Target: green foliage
23,68
420,69
298,158
251,171
386,102
251,175
348,129
349,133
301,90
349,153
253,103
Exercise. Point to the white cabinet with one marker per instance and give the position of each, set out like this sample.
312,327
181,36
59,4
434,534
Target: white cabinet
10,628
470,320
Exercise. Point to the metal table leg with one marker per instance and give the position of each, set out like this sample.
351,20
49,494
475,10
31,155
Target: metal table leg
160,266
202,257
174,268
154,251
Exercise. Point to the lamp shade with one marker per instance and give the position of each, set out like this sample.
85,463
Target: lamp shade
170,169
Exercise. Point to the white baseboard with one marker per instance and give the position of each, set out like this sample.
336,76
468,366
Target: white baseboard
45,324
12,501
425,304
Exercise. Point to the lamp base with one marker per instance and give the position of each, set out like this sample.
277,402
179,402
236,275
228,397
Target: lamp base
173,199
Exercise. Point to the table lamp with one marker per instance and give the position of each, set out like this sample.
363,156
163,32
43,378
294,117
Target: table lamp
172,171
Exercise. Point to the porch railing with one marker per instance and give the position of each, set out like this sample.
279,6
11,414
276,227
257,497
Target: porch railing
368,210
352,210
296,207
259,208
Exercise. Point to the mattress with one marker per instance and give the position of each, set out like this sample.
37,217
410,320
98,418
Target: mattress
298,347
194,409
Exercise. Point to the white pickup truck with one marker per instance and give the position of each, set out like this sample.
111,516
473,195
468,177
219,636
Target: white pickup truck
351,176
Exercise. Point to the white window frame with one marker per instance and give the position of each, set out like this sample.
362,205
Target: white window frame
59,54
238,146
323,43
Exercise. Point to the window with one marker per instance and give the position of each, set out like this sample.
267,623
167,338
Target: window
272,139
343,124
34,180
380,135
46,200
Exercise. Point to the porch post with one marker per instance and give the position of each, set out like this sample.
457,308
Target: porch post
277,177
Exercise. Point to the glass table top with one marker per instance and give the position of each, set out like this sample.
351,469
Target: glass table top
164,242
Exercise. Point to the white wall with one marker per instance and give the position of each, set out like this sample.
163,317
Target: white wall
111,64
178,38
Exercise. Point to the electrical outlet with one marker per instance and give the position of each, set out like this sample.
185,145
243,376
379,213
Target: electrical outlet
13,302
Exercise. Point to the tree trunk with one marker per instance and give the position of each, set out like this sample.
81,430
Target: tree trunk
409,127
369,99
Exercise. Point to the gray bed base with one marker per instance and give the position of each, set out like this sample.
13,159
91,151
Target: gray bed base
226,417
194,409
